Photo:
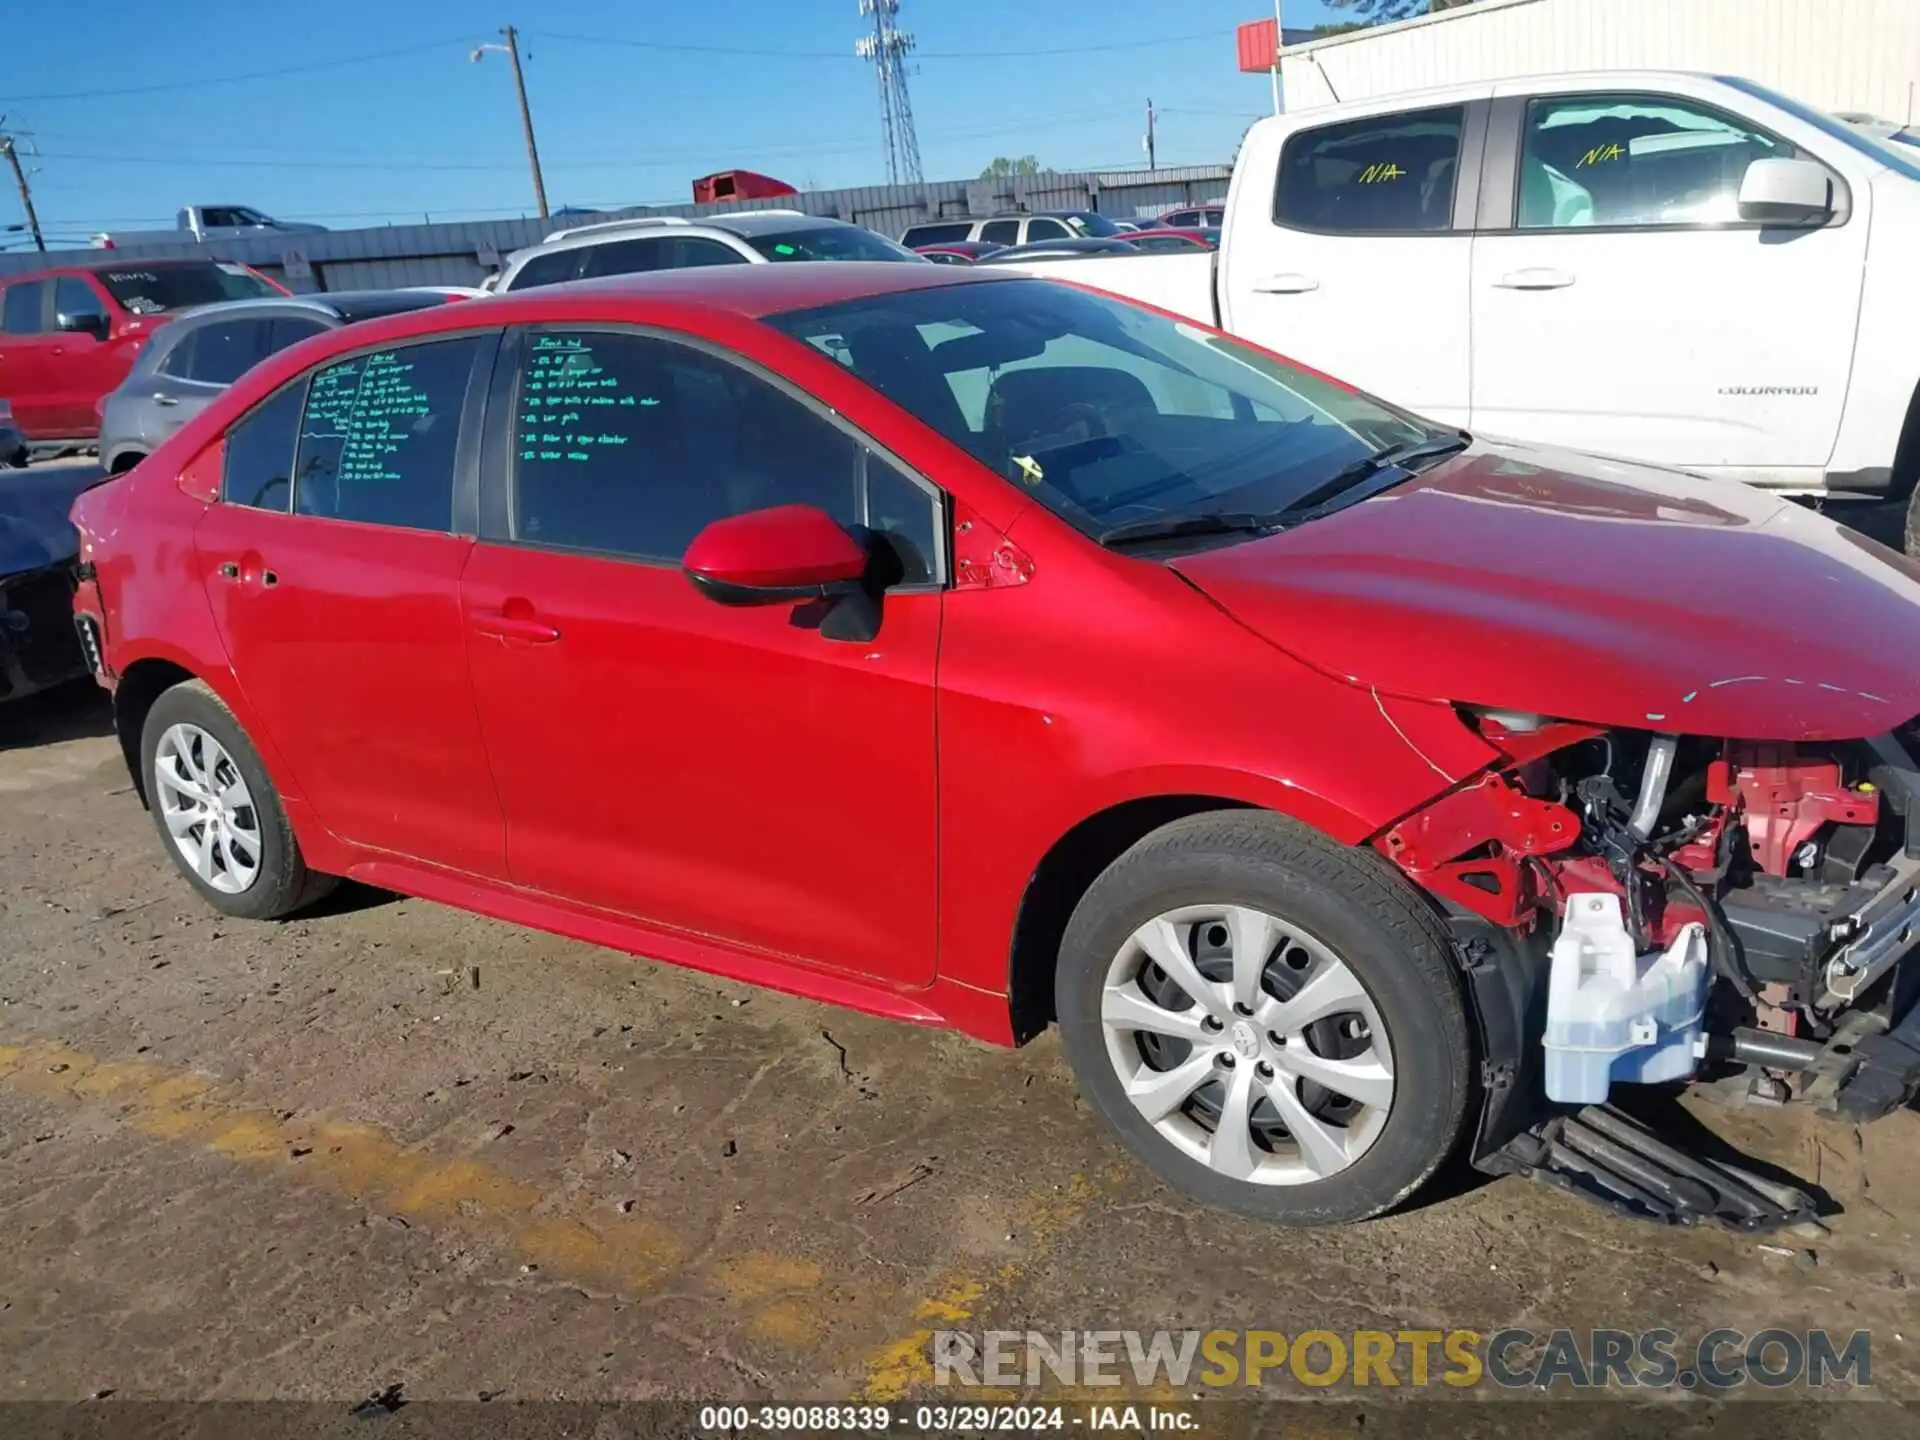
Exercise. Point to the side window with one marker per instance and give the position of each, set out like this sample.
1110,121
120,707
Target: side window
632,445
215,218
1384,175
259,453
936,234
222,353
378,437
178,361
549,269
691,250
290,330
1043,228
1001,232
626,257
1634,160
20,312
74,296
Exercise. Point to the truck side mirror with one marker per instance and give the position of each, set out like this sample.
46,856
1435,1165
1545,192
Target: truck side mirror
1787,192
87,322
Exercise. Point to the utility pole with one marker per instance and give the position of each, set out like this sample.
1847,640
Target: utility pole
1150,155
12,152
512,51
1279,44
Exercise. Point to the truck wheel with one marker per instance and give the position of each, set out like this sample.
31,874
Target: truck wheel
218,813
1270,1021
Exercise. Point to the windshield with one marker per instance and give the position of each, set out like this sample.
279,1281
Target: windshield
1086,223
1108,413
1832,125
829,242
150,289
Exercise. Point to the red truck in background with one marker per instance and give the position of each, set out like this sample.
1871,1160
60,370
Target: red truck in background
738,185
69,333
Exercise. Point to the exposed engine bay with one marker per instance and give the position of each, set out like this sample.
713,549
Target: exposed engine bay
1655,908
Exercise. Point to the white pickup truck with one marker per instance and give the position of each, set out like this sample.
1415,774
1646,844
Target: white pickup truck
1683,269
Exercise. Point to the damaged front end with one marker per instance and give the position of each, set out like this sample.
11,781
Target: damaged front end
1638,907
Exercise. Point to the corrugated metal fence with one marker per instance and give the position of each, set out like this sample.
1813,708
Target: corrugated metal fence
463,254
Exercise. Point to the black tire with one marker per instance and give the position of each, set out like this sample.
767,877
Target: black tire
1910,537
284,884
1356,904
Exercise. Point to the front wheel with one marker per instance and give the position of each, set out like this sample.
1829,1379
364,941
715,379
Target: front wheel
1269,1021
217,812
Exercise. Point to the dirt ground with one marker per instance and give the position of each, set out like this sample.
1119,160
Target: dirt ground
393,1144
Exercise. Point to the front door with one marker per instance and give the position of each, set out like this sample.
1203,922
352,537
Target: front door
333,566
88,363
1361,267
1630,311
29,374
727,772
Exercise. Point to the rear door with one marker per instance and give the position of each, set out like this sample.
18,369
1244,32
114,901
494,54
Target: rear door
1621,305
333,567
1356,258
197,369
29,372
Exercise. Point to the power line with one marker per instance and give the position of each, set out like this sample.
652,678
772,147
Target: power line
791,54
848,144
240,79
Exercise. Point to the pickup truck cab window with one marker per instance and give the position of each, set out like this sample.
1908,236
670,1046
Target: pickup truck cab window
20,311
1634,161
1383,175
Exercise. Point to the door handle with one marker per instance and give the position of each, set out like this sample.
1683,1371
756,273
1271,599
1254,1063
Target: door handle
165,400
1286,285
1534,279
513,627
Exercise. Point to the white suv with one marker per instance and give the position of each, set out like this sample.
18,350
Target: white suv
673,242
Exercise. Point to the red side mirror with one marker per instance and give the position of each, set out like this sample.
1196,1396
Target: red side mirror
786,554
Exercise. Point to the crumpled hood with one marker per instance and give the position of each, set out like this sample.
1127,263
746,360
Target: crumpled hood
1596,590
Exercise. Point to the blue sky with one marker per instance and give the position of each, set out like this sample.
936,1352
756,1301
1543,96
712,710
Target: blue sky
425,132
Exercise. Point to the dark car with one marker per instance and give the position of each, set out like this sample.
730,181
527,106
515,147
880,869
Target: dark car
69,334
959,252
189,362
13,443
1164,239
1080,248
39,646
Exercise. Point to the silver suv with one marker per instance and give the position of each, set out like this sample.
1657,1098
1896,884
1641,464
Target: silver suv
1021,229
673,242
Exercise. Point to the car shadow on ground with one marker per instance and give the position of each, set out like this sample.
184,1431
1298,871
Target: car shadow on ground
78,710
347,898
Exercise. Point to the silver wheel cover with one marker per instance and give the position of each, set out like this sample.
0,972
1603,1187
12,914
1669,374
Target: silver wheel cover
207,808
1248,1044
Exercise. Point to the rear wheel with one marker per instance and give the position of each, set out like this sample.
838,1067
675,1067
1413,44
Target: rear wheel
217,812
1269,1021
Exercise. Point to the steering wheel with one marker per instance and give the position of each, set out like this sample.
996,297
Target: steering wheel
1082,420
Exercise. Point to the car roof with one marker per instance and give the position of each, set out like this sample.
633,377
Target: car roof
745,226
125,262
336,304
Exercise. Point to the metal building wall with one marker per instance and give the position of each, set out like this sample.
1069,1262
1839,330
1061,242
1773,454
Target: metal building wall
1843,55
463,254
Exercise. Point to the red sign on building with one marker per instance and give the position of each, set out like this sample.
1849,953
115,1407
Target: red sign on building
1259,45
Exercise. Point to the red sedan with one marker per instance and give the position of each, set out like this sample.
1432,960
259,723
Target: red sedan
989,653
